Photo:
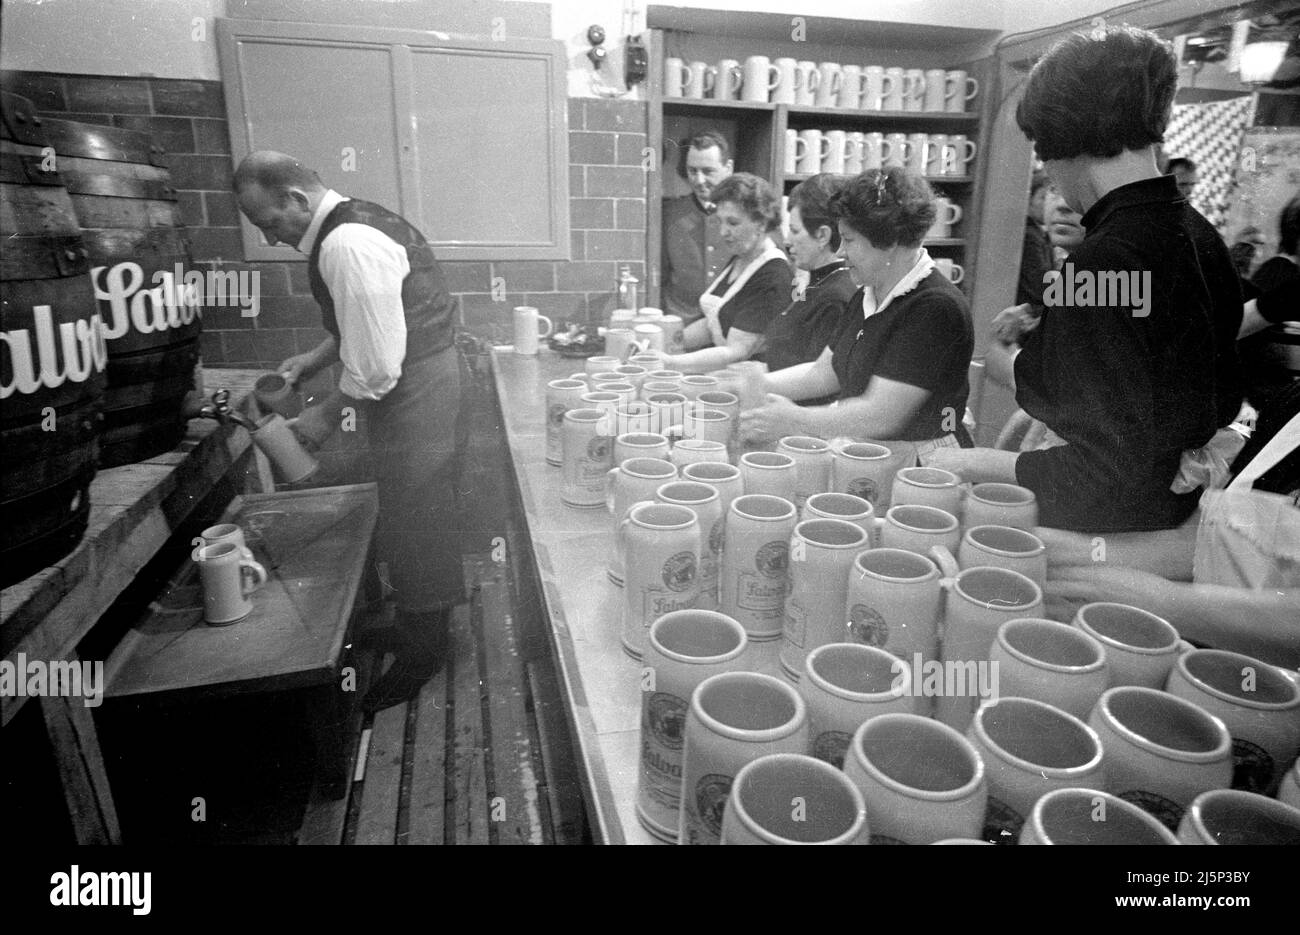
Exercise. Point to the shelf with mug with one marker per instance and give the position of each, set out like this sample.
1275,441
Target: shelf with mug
795,178
881,116
709,103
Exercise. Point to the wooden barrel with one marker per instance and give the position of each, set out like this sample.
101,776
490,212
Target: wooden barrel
132,226
52,355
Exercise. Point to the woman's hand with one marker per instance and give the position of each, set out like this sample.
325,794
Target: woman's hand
1013,322
1070,587
776,418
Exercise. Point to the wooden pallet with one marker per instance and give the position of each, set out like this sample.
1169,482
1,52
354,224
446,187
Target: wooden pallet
475,759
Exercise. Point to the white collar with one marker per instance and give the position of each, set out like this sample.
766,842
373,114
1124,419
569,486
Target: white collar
924,266
329,201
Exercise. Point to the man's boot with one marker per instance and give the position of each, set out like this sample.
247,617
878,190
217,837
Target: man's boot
420,654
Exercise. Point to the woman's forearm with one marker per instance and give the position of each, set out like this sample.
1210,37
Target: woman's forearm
1264,624
323,355
852,418
804,381
705,359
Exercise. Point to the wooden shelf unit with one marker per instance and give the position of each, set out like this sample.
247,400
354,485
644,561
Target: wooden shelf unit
757,129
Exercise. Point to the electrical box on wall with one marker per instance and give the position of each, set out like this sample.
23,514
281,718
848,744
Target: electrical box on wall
636,61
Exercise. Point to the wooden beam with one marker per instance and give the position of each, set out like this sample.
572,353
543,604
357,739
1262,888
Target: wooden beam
81,769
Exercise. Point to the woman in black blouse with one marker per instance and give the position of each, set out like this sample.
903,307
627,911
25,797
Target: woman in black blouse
752,289
813,321
899,370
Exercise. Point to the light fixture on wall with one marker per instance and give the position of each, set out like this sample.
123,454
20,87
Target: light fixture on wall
1260,61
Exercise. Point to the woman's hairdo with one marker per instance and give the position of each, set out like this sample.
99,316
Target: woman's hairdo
1099,94
887,206
753,196
813,197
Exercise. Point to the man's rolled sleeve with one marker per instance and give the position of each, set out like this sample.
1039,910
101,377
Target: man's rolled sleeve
364,270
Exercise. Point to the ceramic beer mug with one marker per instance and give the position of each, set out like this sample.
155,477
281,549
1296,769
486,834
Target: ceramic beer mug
821,554
914,90
918,529
634,481
922,781
893,602
722,477
873,151
619,341
814,151
640,445
1004,547
758,808
734,718
1030,748
1090,816
807,82
829,78
852,86
673,330
845,685
877,86
666,409
769,472
292,462
895,89
836,149
959,92
794,150
755,563
661,549
864,470
760,80
710,424
728,80
928,487
684,648
1233,816
1161,751
918,151
588,456
936,84
979,601
1257,703
527,321
225,573
1000,505
812,464
694,450
275,394
700,79
706,503
676,75
632,373
1051,662
561,396
226,533
841,506
600,364
1140,647
953,271
853,153
787,82
898,150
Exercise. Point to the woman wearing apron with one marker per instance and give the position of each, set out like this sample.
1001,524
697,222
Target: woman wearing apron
1230,576
899,365
750,291
816,316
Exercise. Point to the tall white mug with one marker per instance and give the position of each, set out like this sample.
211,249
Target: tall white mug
701,80
676,74
224,573
527,322
830,75
760,79
959,90
787,81
805,91
728,79
936,85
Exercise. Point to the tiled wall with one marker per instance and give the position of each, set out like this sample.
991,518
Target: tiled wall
188,119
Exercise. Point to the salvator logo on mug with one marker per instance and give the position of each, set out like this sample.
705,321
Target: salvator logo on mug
1100,289
953,678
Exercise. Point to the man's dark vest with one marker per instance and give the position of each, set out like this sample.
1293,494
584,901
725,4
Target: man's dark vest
430,311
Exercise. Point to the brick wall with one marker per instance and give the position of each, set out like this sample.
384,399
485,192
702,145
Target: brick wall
188,119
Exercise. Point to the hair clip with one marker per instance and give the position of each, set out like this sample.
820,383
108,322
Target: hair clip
881,187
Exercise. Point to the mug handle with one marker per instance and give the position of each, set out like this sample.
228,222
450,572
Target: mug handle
950,89
944,559
710,79
735,79
686,76
549,326
887,83
974,86
956,212
259,574
773,78
919,89
970,151
959,273
814,80
610,480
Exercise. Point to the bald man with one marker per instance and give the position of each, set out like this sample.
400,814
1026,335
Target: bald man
388,317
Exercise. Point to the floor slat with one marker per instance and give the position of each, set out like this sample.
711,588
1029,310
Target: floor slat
568,817
469,781
381,787
428,803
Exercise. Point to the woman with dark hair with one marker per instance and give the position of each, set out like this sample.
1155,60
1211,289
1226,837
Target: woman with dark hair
1264,359
899,370
816,315
1129,378
752,288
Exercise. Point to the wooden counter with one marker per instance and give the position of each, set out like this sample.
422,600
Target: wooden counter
134,509
570,548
